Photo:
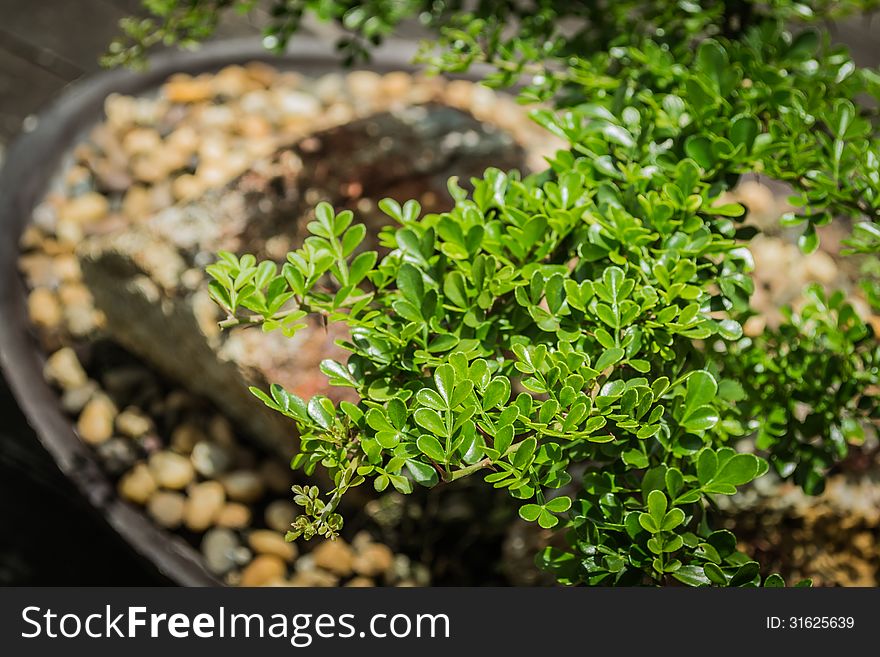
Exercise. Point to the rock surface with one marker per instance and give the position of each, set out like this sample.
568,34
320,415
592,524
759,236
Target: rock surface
147,278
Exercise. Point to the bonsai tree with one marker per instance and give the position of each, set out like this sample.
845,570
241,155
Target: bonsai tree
574,336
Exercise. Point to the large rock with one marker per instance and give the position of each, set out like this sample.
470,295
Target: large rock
148,278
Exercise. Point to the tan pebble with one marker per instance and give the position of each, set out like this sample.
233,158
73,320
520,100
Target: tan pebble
757,198
261,73
69,232
183,88
44,309
263,570
137,203
63,369
396,85
374,560
81,321
280,514
84,209
754,326
166,508
31,238
360,583
266,541
314,578
234,516
187,187
459,93
141,140
171,470
66,267
253,126
77,175
149,168
138,484
95,423
335,556
364,84
185,437
203,505
75,294
232,81
39,269
821,267
133,423
243,486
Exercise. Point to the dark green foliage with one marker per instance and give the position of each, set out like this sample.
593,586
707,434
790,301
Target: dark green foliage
587,319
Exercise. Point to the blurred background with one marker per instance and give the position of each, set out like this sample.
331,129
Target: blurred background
50,535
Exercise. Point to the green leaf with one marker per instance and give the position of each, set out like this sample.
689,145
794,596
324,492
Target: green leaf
422,473
429,419
530,512
558,504
430,447
609,358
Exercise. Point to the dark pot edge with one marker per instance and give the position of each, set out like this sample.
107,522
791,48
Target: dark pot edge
31,162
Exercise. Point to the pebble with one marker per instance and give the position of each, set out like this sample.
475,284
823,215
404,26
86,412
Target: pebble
66,267
74,399
266,541
171,470
95,423
138,484
210,460
220,548
374,560
44,308
118,455
360,583
167,508
185,437
234,516
280,514
314,578
183,88
243,486
64,369
263,570
132,423
203,505
85,209
335,556
221,431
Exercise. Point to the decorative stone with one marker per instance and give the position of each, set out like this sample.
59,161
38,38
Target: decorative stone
203,505
234,516
360,582
374,560
280,514
263,570
243,486
133,423
183,88
64,370
185,437
166,508
95,423
85,209
335,556
210,460
117,455
138,485
74,399
314,578
266,541
220,548
171,470
44,309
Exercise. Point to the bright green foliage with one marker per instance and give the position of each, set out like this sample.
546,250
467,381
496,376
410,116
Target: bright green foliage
587,319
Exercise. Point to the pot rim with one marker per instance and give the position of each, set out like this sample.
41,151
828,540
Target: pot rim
32,161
